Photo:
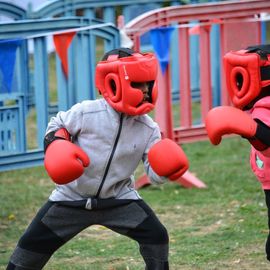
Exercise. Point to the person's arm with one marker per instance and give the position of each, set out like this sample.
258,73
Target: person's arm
261,140
155,179
230,120
166,160
71,120
64,161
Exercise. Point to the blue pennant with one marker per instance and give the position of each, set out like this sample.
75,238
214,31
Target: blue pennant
161,40
8,49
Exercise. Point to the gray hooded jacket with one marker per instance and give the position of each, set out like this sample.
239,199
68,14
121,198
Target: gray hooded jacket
115,144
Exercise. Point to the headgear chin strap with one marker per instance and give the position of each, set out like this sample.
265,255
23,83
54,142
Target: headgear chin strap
247,72
114,78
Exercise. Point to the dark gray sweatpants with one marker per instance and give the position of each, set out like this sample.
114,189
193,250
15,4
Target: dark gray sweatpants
56,223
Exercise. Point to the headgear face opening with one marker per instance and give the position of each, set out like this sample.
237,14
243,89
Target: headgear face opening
118,78
247,72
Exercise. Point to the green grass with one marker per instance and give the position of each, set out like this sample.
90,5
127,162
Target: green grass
221,227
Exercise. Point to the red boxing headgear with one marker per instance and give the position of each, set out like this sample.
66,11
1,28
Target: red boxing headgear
247,72
116,79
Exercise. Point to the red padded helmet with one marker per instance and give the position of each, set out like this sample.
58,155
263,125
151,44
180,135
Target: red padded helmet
117,75
247,73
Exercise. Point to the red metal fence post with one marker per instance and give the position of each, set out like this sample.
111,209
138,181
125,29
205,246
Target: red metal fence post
205,71
185,95
163,112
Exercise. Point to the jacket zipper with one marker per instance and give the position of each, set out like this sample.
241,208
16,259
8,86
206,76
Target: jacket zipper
111,156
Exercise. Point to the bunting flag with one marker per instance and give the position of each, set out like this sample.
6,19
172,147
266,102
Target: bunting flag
62,43
195,30
8,49
161,40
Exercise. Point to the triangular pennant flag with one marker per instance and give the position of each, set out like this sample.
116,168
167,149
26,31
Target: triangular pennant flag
62,43
161,40
8,49
195,30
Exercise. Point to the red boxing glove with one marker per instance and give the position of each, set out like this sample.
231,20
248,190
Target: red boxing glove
229,120
168,159
64,161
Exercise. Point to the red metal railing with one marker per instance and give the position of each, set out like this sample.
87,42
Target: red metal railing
240,26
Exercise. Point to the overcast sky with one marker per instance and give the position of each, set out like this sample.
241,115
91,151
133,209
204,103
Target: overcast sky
24,3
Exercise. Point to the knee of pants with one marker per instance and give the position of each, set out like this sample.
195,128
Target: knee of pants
162,235
158,235
40,240
267,248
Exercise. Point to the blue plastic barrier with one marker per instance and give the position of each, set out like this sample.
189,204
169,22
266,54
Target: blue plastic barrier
18,148
30,97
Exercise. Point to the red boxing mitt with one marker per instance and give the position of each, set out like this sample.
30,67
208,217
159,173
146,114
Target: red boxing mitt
64,161
168,159
229,120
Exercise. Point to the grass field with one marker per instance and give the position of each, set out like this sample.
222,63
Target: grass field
221,227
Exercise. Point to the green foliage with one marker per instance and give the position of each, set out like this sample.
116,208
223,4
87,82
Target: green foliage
221,227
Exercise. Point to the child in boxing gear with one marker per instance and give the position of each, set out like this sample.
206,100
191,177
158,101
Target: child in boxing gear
248,83
91,153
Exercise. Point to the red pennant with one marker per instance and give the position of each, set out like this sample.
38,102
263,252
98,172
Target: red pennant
195,30
62,43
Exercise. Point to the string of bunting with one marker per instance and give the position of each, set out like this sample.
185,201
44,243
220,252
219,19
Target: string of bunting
160,39
161,36
62,40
